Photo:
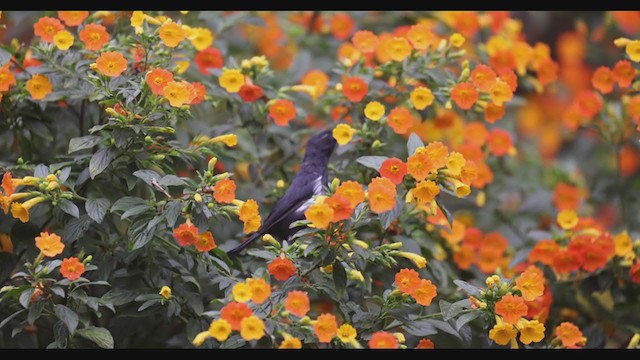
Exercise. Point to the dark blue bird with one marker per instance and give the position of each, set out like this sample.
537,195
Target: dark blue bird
309,181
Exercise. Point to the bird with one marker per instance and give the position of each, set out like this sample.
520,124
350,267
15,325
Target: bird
307,183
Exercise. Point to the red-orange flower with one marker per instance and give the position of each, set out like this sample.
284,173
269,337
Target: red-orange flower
544,251
281,268
565,261
7,79
500,142
341,206
566,197
464,95
493,112
547,72
589,104
200,92
73,18
355,89
400,120
205,242
634,273
234,312
382,195
224,191
623,73
297,303
419,165
111,63
483,77
47,27
209,58
186,234
425,293
511,308
157,79
507,75
407,280
342,25
71,268
94,36
282,111
602,79
383,340
393,169
464,257
325,327
425,344
570,335
250,92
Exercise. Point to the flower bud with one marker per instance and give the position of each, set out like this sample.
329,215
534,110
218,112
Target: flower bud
197,198
212,163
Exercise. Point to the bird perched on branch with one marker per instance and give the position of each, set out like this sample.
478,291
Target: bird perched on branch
309,181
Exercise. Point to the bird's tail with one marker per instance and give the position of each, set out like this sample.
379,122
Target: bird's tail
246,243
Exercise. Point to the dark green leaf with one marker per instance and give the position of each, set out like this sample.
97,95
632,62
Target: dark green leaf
5,57
373,162
127,203
136,210
34,312
25,297
41,171
84,142
465,318
445,326
173,212
68,316
420,328
101,336
172,180
413,143
69,207
446,213
100,160
386,218
449,310
118,297
96,208
147,176
466,287
148,304
76,228
10,317
339,276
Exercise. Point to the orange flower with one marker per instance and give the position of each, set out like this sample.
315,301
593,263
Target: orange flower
547,72
6,78
71,268
49,244
398,48
8,184
500,142
297,303
355,89
320,215
464,95
73,18
565,261
483,77
260,290
224,191
172,34
408,280
493,112
623,73
341,207
205,242
511,308
209,58
186,234
382,195
250,92
500,93
365,41
47,27
248,210
39,87
157,79
317,79
425,344
353,191
94,36
464,256
383,340
531,283
419,165
544,251
281,268
282,111
393,169
602,79
438,152
425,293
570,335
325,327
425,191
234,312
566,196
342,25
178,93
421,37
200,93
589,104
400,120
510,77
111,63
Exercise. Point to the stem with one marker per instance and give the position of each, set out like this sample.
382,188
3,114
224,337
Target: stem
430,316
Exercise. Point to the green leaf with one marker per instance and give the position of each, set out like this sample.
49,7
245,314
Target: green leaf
420,328
25,297
68,317
84,142
136,210
147,176
446,213
465,318
126,203
69,207
339,277
118,297
97,208
172,180
466,287
99,335
449,310
76,228
386,218
413,143
100,161
173,212
5,57
34,312
373,162
10,317
148,304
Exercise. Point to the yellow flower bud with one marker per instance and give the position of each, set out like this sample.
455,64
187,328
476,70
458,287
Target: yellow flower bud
280,184
197,198
165,292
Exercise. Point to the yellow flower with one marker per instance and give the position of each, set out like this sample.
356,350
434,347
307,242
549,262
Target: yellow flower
502,333
178,93
63,40
220,329
567,219
182,66
290,342
165,292
374,111
21,210
260,290
420,261
343,133
39,86
172,34
320,215
421,97
455,163
530,331
201,38
457,40
633,50
230,140
241,292
137,20
231,80
347,333
399,48
200,338
252,328
624,244
355,275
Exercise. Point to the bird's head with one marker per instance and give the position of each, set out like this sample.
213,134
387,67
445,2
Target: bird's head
321,146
